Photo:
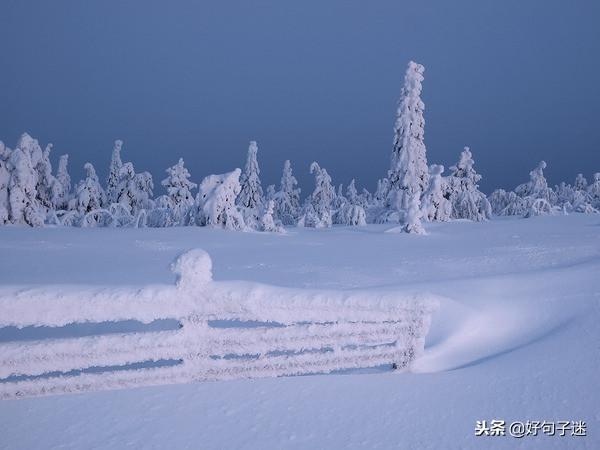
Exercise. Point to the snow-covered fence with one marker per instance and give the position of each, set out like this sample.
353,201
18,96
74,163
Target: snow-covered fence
226,330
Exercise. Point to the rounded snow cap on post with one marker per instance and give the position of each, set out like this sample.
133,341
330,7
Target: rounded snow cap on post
193,269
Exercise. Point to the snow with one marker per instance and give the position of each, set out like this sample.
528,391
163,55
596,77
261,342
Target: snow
516,336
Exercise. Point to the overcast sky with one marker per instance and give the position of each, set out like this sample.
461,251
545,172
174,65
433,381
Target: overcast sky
517,80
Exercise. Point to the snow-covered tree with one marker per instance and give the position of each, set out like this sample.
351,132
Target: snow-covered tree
537,187
24,207
412,221
435,207
408,172
4,182
61,187
351,215
528,199
365,198
594,191
338,200
463,192
382,192
124,192
267,222
179,189
142,194
270,193
317,211
348,209
581,183
134,191
114,170
216,201
250,198
287,199
45,180
352,194
89,195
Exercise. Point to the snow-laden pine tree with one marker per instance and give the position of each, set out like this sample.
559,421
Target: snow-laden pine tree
338,200
270,193
134,191
409,174
267,222
352,194
435,207
125,188
250,199
467,201
317,210
349,210
4,182
216,201
89,195
528,199
61,188
594,191
412,221
179,190
537,187
351,215
287,199
24,206
45,181
365,198
143,186
581,183
382,192
114,170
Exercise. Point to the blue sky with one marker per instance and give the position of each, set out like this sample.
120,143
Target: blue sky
314,80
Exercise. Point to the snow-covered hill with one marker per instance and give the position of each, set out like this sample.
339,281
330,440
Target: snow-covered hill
517,340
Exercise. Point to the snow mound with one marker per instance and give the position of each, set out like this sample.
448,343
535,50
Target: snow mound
193,269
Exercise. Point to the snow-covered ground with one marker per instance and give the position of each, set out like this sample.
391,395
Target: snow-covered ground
518,339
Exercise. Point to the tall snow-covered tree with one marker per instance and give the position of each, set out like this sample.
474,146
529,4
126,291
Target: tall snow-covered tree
24,207
467,201
287,199
61,188
114,170
4,182
435,207
89,195
45,180
216,201
408,172
317,211
250,198
125,189
179,189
